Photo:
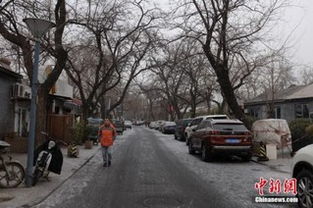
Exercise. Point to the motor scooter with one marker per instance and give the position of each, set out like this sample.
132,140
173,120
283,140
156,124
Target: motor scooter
48,158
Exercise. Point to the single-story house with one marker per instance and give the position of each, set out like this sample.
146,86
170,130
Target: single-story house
15,94
289,104
10,94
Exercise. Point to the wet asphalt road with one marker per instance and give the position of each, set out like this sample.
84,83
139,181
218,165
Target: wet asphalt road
143,174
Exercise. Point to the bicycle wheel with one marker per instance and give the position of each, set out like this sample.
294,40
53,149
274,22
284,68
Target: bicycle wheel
14,175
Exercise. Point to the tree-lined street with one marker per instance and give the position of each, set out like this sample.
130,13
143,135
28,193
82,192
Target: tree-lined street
154,170
220,75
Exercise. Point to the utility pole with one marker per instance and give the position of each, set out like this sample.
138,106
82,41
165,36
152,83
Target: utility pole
38,28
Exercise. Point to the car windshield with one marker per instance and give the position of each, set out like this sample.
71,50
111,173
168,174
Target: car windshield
196,121
230,127
118,123
217,117
186,122
170,124
94,121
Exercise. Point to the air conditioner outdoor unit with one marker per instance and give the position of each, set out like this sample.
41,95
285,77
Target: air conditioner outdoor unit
19,91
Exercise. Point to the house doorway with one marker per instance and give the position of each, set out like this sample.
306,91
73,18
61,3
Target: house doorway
23,122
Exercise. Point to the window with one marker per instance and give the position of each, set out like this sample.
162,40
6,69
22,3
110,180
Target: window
230,126
302,111
196,121
203,124
277,112
254,112
22,122
186,122
216,117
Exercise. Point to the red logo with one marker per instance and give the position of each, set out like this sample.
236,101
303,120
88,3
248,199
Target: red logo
260,186
276,186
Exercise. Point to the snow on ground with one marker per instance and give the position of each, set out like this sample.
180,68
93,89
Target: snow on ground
233,177
75,185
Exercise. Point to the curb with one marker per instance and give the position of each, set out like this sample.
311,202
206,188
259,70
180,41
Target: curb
36,202
5,197
270,167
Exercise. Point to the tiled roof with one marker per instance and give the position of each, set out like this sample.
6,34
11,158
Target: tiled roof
293,92
10,73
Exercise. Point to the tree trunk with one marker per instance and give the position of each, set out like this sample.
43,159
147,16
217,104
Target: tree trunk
151,114
208,104
42,115
228,93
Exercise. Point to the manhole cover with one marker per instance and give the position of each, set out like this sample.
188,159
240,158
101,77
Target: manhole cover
161,201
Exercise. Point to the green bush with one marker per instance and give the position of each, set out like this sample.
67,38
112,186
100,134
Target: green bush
250,121
309,130
298,128
80,133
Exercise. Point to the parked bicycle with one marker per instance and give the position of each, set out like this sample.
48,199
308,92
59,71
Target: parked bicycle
12,172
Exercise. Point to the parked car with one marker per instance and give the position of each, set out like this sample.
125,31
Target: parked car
139,123
128,124
159,124
93,125
119,126
180,128
153,125
229,137
196,121
302,170
168,127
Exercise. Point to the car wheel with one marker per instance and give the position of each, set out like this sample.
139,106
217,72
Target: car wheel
191,149
206,155
305,188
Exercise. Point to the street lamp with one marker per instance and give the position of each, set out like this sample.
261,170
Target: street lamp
38,28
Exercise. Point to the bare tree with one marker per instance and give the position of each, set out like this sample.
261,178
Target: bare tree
306,74
230,33
117,44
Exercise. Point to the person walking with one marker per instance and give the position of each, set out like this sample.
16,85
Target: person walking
107,136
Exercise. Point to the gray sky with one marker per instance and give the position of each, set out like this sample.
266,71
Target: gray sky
296,25
302,38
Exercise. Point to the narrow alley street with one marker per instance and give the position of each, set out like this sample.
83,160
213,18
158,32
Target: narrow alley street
154,170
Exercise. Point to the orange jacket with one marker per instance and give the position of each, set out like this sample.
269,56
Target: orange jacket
111,125
107,136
